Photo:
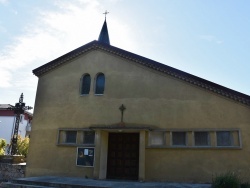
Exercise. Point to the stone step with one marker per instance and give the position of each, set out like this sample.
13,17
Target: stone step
21,183
16,185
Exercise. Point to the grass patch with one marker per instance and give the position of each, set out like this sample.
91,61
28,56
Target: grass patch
227,180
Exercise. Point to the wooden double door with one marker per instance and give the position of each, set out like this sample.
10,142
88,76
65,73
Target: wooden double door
123,156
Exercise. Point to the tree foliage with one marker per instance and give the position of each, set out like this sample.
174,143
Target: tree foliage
22,145
2,146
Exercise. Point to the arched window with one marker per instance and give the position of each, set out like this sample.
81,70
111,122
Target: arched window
85,84
100,83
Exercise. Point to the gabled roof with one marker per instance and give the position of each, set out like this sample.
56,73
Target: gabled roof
7,106
178,74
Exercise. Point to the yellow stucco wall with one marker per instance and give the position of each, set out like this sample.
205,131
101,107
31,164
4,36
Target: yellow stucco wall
151,98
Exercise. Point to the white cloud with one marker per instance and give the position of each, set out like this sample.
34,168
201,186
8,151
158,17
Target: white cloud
14,11
115,1
3,1
207,37
219,41
210,38
54,33
2,29
5,80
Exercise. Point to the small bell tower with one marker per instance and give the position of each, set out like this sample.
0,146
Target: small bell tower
104,35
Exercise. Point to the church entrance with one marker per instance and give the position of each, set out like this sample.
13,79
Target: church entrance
123,156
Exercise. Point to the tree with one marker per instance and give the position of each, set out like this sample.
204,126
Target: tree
2,146
22,145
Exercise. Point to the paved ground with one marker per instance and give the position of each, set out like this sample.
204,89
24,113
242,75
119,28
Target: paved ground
107,183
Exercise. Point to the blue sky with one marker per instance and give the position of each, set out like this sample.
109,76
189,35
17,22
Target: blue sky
209,39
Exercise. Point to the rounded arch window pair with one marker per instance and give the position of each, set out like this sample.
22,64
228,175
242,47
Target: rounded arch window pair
99,84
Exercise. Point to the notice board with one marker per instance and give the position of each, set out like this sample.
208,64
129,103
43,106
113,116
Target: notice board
85,156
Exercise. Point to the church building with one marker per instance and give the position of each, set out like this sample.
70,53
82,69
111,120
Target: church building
102,112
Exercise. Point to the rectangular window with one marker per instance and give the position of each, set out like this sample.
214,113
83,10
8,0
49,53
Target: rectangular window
224,138
71,136
201,138
207,138
89,137
179,138
156,138
76,137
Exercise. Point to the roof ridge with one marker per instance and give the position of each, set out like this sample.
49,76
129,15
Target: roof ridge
187,77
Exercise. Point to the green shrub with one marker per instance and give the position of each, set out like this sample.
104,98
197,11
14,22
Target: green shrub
227,180
245,185
2,146
22,145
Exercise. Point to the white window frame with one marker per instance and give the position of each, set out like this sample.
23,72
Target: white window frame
190,139
181,145
208,139
231,139
152,134
61,137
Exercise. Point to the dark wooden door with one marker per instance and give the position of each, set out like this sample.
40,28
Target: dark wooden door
123,156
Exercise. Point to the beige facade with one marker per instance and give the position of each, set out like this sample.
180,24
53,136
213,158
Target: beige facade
181,120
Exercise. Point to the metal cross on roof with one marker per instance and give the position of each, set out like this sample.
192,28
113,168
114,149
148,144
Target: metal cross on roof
18,109
106,12
122,109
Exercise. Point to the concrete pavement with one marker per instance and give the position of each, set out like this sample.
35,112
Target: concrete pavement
72,182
